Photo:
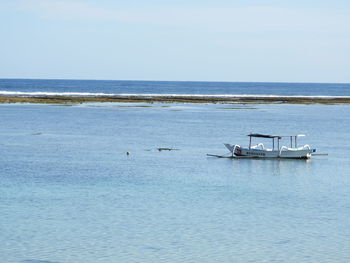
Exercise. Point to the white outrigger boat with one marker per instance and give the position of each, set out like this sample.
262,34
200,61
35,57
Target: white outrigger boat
277,151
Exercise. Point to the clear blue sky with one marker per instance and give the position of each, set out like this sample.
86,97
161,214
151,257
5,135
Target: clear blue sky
244,40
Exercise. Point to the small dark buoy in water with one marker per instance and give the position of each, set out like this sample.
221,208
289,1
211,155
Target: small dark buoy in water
127,153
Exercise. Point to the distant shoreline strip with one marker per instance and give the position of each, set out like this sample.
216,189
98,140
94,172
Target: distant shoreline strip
77,97
151,95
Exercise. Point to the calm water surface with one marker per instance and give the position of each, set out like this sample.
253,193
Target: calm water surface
69,193
173,87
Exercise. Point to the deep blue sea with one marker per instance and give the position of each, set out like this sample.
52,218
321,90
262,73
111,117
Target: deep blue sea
70,194
173,87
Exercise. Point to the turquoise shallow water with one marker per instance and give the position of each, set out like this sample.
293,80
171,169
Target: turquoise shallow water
69,193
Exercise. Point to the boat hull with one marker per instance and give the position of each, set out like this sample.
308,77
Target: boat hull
290,154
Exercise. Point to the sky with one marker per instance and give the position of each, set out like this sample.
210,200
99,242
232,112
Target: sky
192,40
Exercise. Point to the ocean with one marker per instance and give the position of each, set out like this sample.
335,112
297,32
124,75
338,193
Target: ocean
70,193
114,87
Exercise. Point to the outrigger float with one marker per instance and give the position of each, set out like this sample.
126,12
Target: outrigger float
277,150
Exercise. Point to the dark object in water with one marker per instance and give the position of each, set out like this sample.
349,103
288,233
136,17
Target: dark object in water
166,149
127,153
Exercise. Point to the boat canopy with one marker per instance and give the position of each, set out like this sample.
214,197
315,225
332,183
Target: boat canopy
272,136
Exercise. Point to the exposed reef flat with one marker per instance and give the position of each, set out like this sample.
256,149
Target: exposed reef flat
54,99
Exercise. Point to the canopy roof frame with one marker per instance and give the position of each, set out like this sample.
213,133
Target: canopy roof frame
279,137
273,136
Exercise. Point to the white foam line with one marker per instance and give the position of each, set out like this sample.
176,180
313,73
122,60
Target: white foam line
90,94
38,93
